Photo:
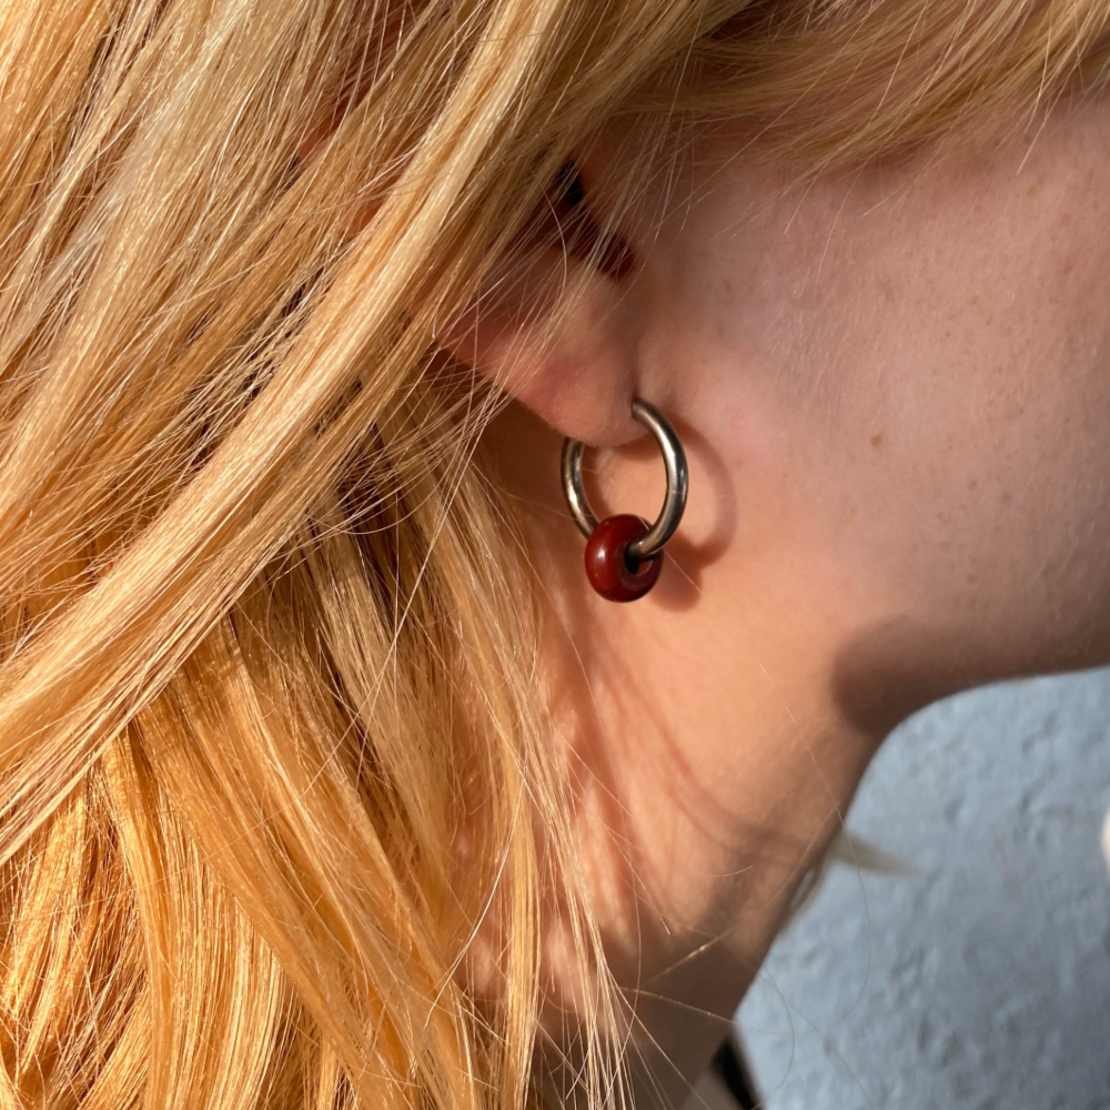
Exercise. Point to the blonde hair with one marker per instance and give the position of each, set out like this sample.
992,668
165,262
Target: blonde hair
271,755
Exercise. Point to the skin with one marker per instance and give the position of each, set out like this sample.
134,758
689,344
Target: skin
892,384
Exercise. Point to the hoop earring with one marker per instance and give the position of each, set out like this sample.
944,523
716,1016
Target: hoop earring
624,555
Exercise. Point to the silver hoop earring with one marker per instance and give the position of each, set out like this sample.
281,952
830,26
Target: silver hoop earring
624,554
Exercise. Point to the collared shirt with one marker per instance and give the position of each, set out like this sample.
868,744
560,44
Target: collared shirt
726,1084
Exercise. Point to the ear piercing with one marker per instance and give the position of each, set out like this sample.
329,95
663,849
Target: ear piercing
624,555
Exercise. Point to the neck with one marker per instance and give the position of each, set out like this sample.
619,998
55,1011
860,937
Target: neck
714,751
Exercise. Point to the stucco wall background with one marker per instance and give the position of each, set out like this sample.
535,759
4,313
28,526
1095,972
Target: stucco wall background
981,978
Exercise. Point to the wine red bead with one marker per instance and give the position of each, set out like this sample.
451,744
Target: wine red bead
607,564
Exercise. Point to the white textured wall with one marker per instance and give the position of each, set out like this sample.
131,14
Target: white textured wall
982,979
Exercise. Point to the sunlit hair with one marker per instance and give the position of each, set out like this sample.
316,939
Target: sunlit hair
271,750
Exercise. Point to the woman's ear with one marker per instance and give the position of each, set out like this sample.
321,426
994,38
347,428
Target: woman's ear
558,327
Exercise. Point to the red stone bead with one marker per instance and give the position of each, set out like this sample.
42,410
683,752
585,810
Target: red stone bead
607,567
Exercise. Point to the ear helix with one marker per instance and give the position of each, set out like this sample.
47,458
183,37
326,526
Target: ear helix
624,555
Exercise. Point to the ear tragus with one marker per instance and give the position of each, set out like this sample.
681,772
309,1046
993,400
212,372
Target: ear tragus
606,251
558,328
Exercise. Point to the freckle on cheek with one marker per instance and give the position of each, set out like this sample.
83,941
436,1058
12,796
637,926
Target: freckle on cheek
877,439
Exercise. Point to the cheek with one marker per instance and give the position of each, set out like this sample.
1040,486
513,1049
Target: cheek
931,384
963,442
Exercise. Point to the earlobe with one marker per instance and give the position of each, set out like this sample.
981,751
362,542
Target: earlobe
559,330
